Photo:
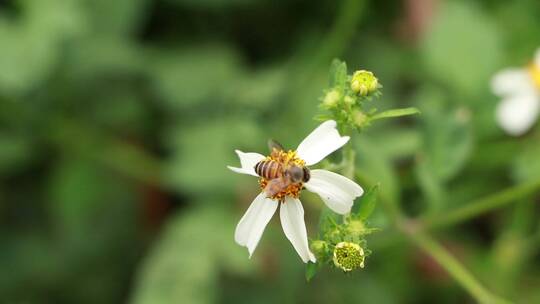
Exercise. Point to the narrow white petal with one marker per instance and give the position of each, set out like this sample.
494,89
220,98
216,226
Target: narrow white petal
324,140
248,162
291,214
512,82
337,191
251,227
517,114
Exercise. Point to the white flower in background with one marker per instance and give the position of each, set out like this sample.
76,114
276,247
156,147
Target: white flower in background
519,89
290,175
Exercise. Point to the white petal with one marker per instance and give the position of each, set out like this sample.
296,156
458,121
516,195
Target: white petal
517,114
248,162
337,191
512,82
324,140
291,214
251,227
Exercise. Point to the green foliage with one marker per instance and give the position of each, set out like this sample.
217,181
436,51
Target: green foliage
395,113
118,119
447,136
374,167
462,37
366,204
311,270
208,148
338,75
184,265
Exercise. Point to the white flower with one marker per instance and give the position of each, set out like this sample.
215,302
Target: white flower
519,89
338,192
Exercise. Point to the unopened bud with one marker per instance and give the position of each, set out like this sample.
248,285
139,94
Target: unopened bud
319,247
356,228
364,82
331,99
348,100
360,119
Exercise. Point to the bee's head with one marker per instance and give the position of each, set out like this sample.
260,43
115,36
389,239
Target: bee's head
298,174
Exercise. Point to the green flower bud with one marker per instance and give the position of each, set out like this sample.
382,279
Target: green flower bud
331,99
364,82
319,247
356,228
348,100
360,119
348,256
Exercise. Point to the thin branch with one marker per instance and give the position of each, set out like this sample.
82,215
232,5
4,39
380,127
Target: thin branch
453,266
480,206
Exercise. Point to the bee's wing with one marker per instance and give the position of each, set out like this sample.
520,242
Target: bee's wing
274,144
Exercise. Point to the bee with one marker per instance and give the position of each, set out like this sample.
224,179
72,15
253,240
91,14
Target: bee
279,175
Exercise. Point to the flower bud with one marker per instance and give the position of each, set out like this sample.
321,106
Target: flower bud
331,99
356,228
360,119
348,100
319,247
348,256
364,82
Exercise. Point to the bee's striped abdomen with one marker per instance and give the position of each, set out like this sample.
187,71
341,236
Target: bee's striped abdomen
268,169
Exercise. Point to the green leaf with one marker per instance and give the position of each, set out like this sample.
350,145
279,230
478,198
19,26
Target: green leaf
32,42
447,136
395,113
311,270
365,206
338,74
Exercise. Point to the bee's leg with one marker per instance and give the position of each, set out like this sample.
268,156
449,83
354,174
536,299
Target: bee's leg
275,186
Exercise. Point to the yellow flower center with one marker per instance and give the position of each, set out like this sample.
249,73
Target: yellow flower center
286,159
348,256
534,71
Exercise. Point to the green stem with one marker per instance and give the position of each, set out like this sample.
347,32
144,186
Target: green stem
349,156
480,206
452,265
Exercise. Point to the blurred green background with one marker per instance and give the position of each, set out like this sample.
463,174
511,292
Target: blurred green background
117,119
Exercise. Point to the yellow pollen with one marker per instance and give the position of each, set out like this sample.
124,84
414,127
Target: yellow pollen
534,71
286,159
